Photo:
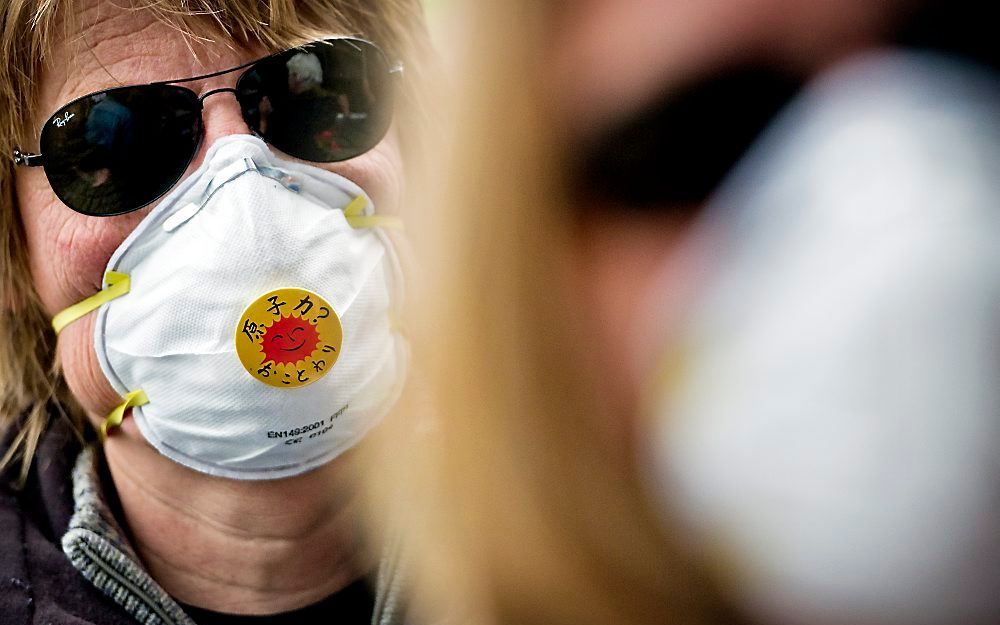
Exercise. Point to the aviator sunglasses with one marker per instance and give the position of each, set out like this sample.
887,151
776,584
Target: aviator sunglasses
117,150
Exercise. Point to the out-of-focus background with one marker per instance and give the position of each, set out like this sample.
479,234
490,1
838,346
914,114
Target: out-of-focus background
716,312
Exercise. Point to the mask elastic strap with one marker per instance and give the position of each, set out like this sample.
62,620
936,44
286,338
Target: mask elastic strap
396,324
116,285
355,218
115,418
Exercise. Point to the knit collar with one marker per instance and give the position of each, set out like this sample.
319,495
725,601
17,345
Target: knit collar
98,549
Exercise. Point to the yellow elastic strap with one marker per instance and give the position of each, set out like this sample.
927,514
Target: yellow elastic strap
356,206
396,324
116,285
113,420
375,221
355,217
665,381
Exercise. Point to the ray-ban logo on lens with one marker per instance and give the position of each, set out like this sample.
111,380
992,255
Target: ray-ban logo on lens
62,121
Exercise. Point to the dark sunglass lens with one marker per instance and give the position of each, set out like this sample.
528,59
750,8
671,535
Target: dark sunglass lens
118,150
675,152
329,101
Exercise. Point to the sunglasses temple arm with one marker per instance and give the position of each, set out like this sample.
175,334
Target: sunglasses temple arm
27,160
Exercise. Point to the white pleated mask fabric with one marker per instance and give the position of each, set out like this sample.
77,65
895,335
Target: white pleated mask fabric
244,225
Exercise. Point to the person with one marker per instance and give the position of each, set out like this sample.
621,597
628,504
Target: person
196,324
713,329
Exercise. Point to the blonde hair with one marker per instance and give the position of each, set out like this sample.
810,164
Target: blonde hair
30,380
519,508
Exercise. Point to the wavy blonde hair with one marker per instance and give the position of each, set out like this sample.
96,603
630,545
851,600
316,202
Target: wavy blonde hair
30,380
519,507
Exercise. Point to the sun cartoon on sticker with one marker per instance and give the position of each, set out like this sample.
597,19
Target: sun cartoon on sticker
289,338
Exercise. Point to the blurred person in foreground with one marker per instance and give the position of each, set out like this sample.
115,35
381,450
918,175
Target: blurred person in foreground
714,317
207,238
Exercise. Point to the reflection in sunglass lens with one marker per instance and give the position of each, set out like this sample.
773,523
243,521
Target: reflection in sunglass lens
326,102
118,150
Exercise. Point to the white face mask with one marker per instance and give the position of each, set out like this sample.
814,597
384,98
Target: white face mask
249,318
833,429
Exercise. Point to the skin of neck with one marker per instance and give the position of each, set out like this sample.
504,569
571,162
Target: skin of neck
234,546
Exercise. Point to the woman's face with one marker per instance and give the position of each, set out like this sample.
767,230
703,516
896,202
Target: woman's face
68,251
637,269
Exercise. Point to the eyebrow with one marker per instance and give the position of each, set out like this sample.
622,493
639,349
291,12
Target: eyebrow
393,68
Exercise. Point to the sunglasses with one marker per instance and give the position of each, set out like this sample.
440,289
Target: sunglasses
673,153
117,150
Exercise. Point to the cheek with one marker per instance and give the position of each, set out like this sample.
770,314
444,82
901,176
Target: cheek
67,255
67,251
378,172
634,278
82,371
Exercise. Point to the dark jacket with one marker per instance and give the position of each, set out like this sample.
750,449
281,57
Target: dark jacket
38,584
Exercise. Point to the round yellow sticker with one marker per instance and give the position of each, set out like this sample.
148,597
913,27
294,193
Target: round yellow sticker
289,338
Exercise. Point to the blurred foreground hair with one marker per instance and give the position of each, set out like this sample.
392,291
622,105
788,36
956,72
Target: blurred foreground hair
519,508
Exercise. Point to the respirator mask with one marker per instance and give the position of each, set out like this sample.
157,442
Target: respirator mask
250,320
827,424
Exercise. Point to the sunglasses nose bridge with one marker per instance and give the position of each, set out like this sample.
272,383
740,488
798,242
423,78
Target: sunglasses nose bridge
201,100
219,119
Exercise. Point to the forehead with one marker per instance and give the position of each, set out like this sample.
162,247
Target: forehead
610,55
108,45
